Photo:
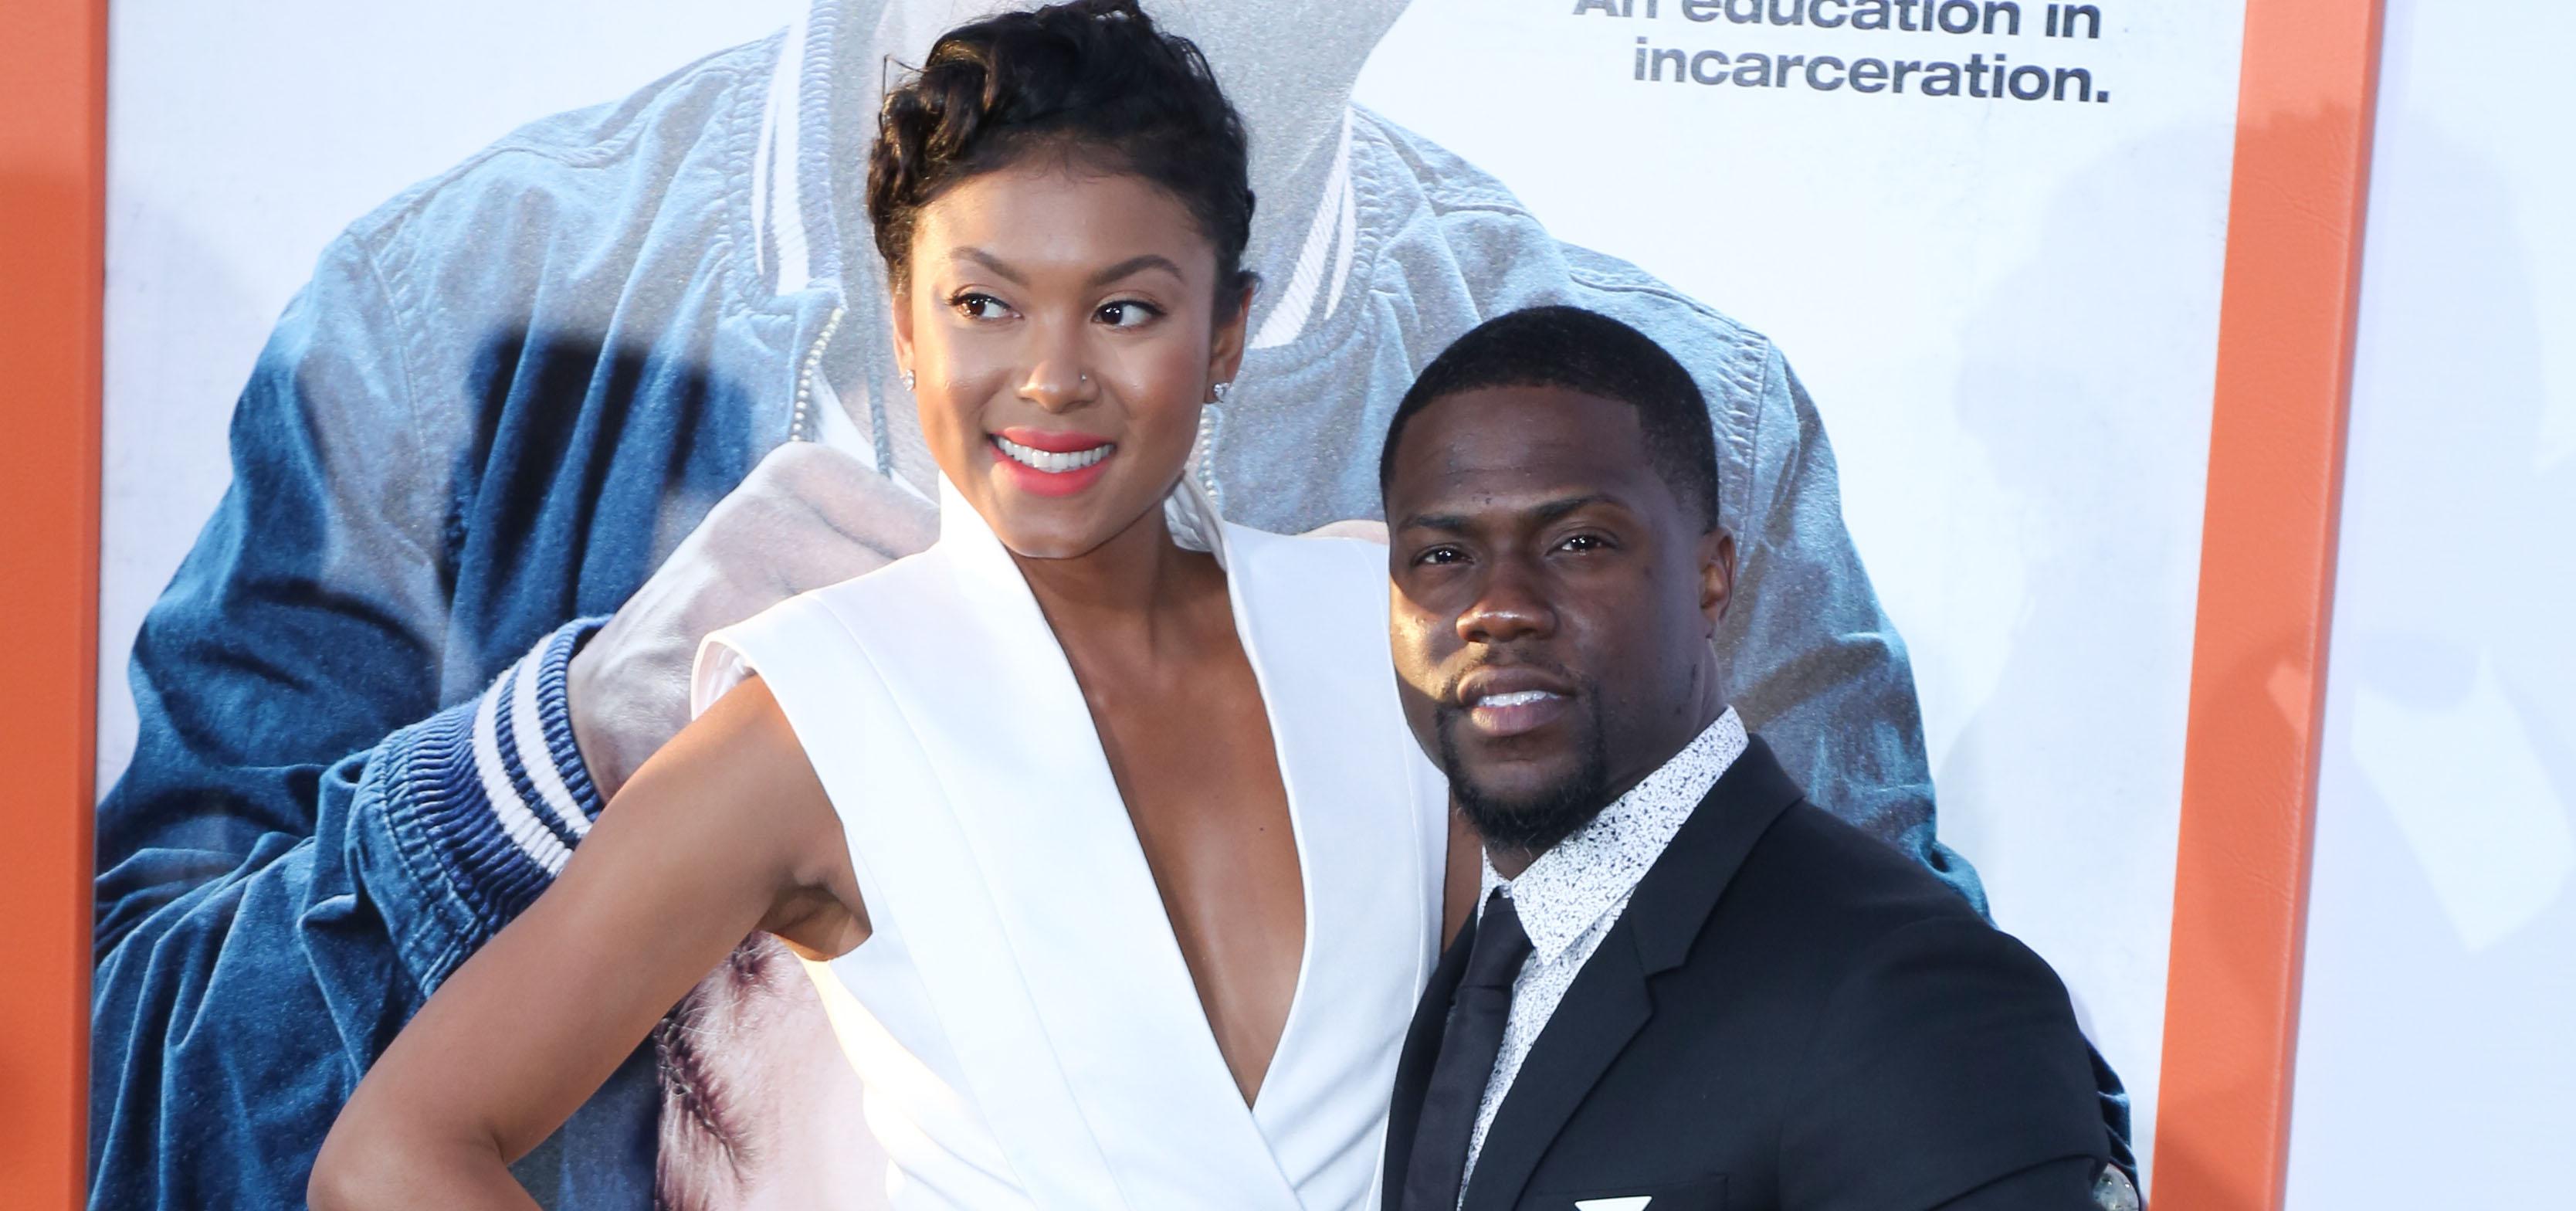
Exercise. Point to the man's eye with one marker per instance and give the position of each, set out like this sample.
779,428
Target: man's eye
980,307
1440,555
1584,542
1126,313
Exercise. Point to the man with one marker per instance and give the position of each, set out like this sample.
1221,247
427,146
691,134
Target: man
1686,986
633,361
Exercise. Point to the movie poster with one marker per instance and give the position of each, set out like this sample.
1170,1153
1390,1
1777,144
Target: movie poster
1949,273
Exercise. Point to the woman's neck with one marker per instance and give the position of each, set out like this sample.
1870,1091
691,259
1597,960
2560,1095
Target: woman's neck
1128,595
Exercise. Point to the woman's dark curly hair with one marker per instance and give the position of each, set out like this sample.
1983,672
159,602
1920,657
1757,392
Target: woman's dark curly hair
1089,80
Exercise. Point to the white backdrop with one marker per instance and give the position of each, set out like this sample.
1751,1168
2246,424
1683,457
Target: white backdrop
2005,310
2435,1066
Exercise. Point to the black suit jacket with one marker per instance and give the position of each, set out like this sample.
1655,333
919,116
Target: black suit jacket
1788,1014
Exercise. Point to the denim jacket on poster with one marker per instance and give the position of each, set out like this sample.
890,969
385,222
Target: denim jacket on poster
505,396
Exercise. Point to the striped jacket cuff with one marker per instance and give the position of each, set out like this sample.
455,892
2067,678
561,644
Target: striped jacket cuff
494,791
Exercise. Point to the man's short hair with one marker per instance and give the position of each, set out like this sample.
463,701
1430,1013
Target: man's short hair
1586,351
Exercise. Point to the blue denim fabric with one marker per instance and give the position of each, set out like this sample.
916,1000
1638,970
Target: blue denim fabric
501,400
460,437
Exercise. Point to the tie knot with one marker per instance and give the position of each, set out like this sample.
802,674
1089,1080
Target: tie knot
1501,945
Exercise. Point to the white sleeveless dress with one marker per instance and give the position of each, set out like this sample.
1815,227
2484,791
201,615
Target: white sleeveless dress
1021,1018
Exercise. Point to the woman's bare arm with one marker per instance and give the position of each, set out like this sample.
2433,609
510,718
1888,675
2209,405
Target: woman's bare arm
725,831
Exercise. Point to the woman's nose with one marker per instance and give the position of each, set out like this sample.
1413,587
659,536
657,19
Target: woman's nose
1060,379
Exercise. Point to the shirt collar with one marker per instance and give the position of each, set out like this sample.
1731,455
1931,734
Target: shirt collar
1569,887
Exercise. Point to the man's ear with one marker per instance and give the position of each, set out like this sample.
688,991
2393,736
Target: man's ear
1716,576
1225,352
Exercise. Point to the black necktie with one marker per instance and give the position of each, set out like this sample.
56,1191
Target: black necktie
1432,1178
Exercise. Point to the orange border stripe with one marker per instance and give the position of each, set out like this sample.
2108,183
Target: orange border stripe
2303,131
53,155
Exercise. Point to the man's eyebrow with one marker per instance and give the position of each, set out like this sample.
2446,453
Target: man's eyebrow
1134,264
1459,523
989,261
1447,523
1555,509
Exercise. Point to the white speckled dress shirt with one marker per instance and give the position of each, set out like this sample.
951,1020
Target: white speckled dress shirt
1569,898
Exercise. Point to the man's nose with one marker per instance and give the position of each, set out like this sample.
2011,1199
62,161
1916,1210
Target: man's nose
1059,377
1510,605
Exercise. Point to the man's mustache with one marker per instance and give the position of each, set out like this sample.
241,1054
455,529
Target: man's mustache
1447,700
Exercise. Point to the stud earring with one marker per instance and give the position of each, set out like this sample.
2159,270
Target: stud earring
1219,390
907,380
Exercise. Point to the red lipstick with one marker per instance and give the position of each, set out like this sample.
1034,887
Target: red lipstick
1051,463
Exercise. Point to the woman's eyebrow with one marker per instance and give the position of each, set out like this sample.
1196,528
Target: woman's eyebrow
989,261
1134,264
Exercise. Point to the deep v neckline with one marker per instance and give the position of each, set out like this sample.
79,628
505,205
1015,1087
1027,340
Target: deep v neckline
1024,1015
981,544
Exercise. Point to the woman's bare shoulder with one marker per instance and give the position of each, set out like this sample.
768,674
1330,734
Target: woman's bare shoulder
738,773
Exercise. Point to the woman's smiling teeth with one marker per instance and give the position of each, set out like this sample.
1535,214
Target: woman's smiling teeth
1049,461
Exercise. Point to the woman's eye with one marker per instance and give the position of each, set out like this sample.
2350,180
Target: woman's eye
1126,313
980,307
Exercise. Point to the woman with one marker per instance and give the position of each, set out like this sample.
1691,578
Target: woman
1126,870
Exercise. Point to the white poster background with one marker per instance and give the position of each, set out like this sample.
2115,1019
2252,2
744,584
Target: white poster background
2005,310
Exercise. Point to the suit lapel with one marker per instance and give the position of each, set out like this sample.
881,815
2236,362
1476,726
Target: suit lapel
1602,1010
1610,1001
1673,902
1421,1051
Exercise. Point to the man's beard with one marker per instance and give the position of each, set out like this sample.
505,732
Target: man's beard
1531,823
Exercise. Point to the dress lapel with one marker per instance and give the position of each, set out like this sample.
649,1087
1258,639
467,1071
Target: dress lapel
1349,772
1100,1012
1610,999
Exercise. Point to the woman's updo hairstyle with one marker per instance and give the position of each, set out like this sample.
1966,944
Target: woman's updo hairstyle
1090,80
